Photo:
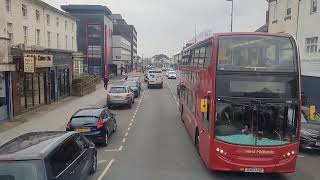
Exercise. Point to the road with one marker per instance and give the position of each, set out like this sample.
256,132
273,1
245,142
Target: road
152,143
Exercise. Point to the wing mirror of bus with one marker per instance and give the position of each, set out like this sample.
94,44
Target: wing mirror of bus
204,105
312,113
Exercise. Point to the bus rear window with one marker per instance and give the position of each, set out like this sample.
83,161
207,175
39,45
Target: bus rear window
256,53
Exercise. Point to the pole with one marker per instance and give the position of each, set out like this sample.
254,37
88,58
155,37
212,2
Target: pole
232,16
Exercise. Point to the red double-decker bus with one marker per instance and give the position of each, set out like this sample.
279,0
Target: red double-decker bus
240,101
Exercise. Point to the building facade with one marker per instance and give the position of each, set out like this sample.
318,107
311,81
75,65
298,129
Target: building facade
41,42
299,18
94,37
121,53
121,28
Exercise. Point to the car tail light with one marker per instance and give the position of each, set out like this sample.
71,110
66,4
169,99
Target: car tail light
68,126
100,124
127,95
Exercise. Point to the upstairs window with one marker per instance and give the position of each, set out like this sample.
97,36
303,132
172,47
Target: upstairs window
48,19
313,6
37,15
289,7
24,10
311,45
57,22
8,5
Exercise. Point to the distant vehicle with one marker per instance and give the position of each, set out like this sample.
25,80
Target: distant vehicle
135,86
48,155
172,75
238,119
310,131
164,69
135,78
120,95
97,124
155,78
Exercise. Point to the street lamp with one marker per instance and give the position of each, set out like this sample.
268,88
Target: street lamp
231,13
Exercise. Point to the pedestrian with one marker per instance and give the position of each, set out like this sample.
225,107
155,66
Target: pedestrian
121,69
106,81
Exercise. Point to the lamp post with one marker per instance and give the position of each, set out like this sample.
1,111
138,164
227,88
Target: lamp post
231,13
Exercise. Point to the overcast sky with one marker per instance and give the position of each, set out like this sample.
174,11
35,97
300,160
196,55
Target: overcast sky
163,26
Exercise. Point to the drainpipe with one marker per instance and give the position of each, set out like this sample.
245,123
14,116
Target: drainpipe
298,15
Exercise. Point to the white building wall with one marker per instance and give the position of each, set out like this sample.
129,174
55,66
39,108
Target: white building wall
17,19
279,21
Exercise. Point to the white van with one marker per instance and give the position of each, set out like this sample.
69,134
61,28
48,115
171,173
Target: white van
155,78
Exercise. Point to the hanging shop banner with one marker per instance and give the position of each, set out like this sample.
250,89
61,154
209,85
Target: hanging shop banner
41,60
28,64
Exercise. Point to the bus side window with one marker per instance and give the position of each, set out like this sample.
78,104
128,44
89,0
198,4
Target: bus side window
208,55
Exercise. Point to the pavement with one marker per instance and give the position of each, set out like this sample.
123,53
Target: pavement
151,141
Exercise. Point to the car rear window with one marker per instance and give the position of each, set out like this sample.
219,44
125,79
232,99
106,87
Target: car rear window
22,170
118,90
75,121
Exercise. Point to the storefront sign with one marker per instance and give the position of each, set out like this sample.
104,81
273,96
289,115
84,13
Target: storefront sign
41,60
28,64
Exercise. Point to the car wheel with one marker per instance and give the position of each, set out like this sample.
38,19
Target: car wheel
106,139
130,105
115,126
94,164
133,101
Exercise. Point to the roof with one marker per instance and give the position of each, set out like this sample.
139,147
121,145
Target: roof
88,112
44,4
263,28
33,145
215,35
84,8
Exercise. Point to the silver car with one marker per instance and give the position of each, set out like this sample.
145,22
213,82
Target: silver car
120,95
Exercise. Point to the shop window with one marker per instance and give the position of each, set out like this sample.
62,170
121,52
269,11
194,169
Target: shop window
4,111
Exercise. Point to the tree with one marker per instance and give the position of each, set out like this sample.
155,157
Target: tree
158,57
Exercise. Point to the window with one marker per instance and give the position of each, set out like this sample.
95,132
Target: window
66,42
58,40
313,6
24,10
25,35
208,55
82,144
38,37
49,39
48,19
289,6
57,22
311,45
72,27
37,15
10,31
65,155
72,42
273,11
8,5
65,25
202,56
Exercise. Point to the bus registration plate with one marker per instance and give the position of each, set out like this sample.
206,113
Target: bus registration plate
254,170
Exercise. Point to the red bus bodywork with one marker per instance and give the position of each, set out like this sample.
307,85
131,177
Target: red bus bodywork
221,156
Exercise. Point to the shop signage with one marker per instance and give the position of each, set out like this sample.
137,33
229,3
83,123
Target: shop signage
41,60
28,64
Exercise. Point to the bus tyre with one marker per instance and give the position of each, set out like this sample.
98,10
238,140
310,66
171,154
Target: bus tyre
196,141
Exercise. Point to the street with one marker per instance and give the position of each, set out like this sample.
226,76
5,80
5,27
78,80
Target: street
151,141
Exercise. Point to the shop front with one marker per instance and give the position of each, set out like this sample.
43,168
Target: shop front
30,82
4,96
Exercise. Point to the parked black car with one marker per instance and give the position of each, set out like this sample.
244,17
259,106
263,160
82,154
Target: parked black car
134,85
310,131
97,124
47,156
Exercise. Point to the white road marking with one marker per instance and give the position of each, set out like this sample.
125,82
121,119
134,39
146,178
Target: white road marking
120,148
130,124
111,150
300,156
126,134
124,140
102,161
106,170
134,116
132,120
129,128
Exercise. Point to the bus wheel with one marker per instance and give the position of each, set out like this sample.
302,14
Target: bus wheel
196,141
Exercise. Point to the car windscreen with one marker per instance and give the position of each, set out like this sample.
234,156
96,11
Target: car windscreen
75,121
118,90
22,170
